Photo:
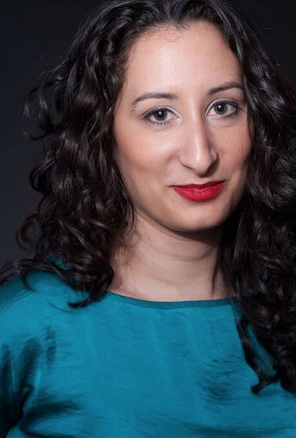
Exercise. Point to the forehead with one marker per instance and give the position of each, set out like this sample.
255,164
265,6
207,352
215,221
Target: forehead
168,57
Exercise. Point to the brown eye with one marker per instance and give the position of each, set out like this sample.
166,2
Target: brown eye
221,108
226,109
159,116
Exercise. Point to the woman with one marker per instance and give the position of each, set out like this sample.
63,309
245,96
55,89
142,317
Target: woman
150,308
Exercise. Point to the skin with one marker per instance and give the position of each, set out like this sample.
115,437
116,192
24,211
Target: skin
171,252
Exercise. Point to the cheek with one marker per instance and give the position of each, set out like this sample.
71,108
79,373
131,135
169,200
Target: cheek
137,159
244,147
139,153
239,146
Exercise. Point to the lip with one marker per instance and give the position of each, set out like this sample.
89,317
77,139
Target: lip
200,194
200,186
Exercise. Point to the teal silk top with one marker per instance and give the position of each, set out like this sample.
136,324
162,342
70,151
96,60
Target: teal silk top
123,367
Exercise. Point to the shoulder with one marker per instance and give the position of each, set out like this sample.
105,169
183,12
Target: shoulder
22,308
34,322
36,326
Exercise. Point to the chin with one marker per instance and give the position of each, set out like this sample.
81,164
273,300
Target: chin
198,225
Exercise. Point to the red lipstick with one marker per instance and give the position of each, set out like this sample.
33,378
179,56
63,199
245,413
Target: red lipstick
200,192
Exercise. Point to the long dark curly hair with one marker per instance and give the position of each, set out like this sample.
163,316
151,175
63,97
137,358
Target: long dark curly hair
82,212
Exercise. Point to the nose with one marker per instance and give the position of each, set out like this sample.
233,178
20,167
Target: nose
198,151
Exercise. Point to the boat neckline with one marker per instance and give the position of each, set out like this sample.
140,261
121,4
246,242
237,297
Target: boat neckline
172,304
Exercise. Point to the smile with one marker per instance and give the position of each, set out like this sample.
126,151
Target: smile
199,195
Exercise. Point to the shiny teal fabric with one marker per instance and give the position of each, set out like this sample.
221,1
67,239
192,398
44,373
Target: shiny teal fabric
128,368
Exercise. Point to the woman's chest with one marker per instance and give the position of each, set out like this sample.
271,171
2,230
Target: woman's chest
135,387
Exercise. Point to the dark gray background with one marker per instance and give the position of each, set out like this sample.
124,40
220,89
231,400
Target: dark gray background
35,34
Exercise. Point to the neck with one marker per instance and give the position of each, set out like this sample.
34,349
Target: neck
158,264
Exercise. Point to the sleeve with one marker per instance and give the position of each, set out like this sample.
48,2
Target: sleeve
8,407
22,349
37,351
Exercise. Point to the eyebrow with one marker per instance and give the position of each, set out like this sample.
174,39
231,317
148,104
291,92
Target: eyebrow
172,96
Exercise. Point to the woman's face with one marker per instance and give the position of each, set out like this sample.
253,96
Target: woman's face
187,137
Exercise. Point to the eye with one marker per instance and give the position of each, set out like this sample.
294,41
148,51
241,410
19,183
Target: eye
159,116
222,109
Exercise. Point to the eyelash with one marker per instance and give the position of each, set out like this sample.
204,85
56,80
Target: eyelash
233,104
